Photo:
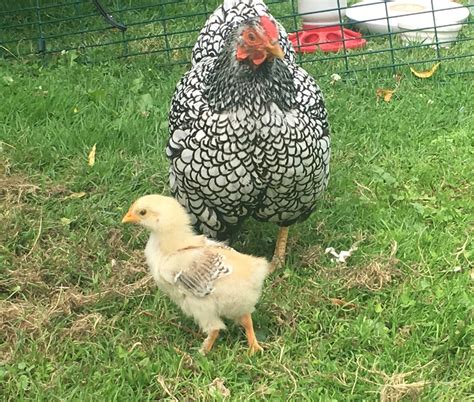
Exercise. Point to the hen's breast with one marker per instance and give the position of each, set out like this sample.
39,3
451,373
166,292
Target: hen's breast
294,165
240,163
253,157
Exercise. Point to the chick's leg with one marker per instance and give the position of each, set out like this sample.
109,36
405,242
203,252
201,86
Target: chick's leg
280,248
246,322
209,341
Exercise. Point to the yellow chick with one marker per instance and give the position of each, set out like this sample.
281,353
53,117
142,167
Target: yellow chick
208,280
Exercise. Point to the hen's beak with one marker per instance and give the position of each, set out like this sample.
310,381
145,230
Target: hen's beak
130,217
275,50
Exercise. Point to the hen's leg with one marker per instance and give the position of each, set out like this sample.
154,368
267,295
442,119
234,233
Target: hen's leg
246,322
209,341
280,248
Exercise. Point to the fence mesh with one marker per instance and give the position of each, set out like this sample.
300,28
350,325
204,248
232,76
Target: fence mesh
166,30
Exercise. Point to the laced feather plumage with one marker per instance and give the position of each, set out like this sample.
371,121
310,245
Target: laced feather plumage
246,141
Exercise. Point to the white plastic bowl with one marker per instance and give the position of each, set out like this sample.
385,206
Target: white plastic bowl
378,17
442,26
444,38
314,12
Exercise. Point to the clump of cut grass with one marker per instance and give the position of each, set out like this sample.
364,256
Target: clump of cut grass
373,275
395,387
85,325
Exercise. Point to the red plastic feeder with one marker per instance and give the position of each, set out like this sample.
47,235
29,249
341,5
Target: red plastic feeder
327,39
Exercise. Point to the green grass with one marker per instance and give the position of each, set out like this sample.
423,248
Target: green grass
401,172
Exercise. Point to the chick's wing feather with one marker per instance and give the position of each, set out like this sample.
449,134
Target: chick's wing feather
198,277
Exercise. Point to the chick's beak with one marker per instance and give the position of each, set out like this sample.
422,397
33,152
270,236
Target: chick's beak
130,217
275,50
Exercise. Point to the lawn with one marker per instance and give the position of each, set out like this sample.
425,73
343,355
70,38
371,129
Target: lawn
80,319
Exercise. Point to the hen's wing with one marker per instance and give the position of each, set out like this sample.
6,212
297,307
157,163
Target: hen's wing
188,103
301,172
202,148
227,16
198,277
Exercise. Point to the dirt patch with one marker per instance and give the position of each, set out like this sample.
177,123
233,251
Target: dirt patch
71,299
22,315
114,238
36,284
25,278
14,193
395,387
16,187
125,270
311,257
84,325
32,316
21,210
17,317
12,188
373,275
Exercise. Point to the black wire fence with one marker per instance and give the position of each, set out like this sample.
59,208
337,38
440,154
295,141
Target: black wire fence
338,36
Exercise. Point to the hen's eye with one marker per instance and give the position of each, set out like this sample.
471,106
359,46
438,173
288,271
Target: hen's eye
251,37
142,212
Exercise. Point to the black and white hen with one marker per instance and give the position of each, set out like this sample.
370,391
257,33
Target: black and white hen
249,135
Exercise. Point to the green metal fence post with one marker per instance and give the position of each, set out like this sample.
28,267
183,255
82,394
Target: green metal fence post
41,39
163,23
390,39
341,27
294,14
438,52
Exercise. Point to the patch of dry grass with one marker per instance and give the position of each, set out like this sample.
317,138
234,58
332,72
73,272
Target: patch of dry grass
395,387
33,316
84,325
33,299
373,275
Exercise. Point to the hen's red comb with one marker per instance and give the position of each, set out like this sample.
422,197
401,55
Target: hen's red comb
270,27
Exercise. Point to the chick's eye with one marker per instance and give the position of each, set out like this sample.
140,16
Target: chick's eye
142,212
